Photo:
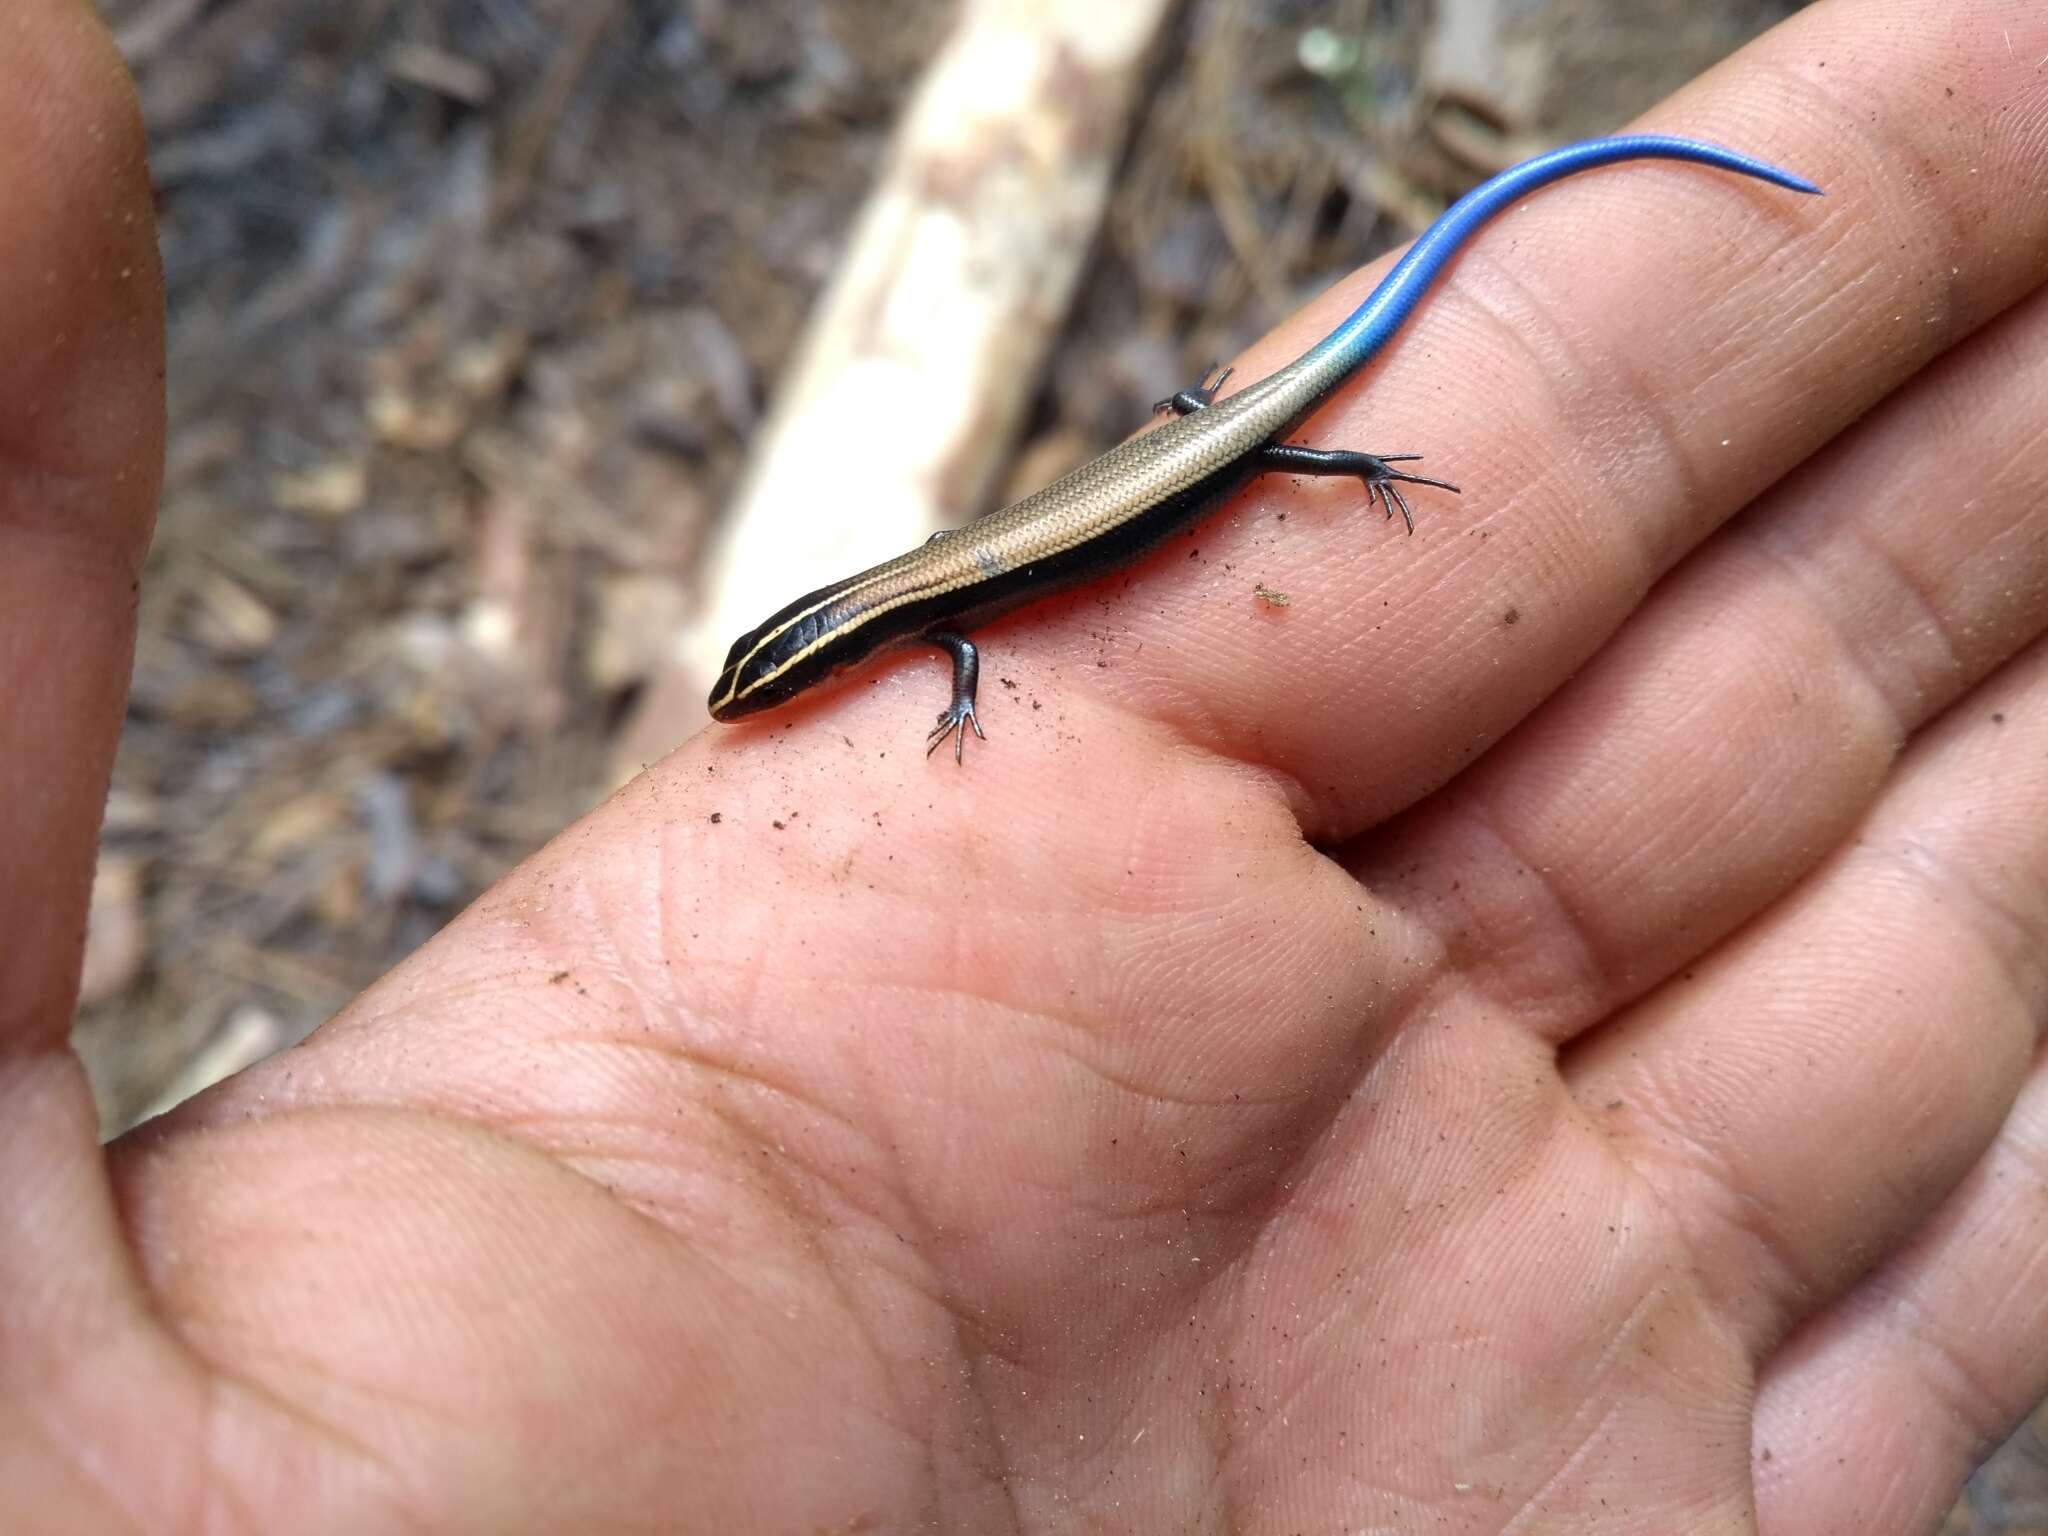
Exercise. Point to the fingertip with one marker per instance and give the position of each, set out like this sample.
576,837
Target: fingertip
81,295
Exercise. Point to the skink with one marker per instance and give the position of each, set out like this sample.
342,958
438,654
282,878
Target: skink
1116,508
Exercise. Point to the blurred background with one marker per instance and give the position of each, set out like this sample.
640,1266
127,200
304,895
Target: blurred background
488,325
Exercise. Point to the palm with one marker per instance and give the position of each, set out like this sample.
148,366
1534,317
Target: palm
1077,1172
1316,1068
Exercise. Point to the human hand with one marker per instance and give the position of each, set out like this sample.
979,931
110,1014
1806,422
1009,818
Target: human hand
1491,1045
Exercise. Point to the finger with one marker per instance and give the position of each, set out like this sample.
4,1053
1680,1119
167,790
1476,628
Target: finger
80,442
1920,1370
1746,718
81,359
1609,372
1809,1092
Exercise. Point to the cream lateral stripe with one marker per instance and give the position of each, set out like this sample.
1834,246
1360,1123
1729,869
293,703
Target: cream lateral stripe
847,588
1210,452
832,595
838,632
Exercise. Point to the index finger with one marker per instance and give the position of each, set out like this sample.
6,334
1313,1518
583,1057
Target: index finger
1610,371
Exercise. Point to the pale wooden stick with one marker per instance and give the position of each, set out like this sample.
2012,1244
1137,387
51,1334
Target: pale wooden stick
904,396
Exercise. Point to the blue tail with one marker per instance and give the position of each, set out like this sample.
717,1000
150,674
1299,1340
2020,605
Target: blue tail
1370,326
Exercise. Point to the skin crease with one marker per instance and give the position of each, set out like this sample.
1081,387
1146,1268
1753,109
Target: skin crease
1540,1034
